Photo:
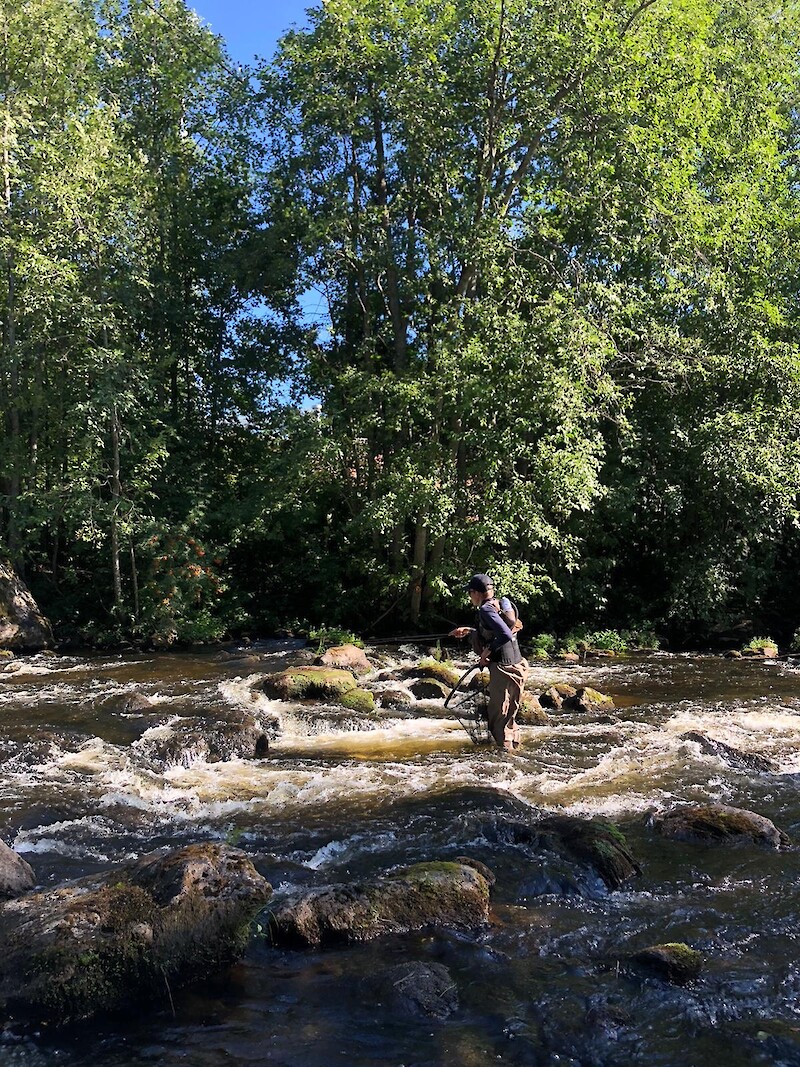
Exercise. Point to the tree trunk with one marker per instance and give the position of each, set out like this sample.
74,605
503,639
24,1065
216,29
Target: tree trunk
116,494
418,568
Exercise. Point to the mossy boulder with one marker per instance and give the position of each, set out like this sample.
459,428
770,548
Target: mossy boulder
719,824
675,962
427,894
16,875
394,698
765,651
555,696
360,700
105,942
305,683
345,657
431,668
588,843
587,700
599,844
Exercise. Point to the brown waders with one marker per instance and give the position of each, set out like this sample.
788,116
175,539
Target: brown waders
506,684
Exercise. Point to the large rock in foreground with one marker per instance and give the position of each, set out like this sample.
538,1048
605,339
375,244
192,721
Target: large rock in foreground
427,894
719,824
16,875
23,628
100,944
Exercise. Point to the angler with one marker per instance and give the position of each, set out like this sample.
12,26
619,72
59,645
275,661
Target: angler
494,641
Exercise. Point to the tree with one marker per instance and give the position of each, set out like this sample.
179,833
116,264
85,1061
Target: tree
507,209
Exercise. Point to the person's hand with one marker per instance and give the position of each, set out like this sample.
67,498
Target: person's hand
460,631
484,658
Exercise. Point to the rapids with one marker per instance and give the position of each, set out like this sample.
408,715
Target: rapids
340,798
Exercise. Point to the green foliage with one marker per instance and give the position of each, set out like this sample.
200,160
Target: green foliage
757,643
541,646
606,640
329,636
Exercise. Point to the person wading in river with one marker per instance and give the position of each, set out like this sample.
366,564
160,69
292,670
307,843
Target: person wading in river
495,642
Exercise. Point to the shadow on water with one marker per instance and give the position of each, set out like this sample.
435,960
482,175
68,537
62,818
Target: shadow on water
542,983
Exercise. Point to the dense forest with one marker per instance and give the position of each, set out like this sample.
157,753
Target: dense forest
444,286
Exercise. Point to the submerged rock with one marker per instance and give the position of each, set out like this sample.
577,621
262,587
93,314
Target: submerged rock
394,698
427,894
347,657
425,989
102,943
719,824
734,757
187,741
589,842
301,683
16,875
23,628
675,962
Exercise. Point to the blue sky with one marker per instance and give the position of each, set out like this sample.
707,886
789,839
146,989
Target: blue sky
251,27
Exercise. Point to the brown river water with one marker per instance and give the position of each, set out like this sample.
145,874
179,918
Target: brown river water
82,787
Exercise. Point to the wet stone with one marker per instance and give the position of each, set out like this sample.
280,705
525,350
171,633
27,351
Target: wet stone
16,874
674,962
734,757
421,989
719,824
427,894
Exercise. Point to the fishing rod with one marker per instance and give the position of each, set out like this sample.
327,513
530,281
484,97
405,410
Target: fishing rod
408,639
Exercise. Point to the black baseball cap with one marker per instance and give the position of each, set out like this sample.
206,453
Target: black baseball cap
481,583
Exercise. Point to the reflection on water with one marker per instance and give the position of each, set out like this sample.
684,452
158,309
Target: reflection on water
90,777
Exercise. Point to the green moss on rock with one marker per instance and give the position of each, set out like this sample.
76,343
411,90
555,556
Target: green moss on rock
675,962
360,700
719,824
304,683
431,668
427,894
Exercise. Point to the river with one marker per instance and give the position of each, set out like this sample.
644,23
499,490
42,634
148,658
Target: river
339,799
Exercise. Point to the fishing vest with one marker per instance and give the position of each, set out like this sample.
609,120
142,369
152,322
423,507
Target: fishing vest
508,652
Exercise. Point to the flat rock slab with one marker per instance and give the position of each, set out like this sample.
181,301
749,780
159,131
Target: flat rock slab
427,894
719,824
103,943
